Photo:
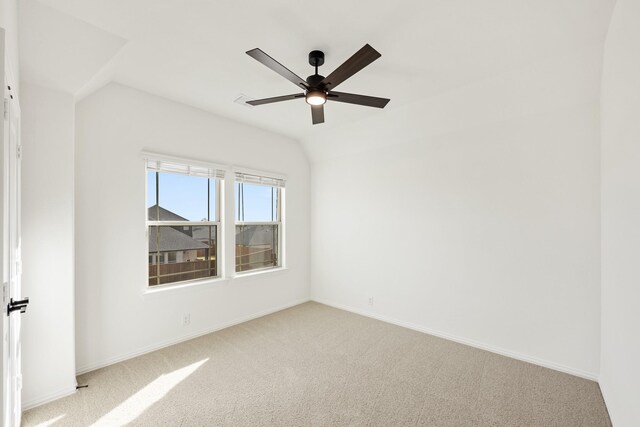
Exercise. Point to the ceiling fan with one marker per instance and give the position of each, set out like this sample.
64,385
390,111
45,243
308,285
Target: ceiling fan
319,89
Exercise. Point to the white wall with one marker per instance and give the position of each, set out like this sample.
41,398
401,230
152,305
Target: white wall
9,21
115,319
473,214
48,345
620,377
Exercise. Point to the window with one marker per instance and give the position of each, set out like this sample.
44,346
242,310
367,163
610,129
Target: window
258,221
183,221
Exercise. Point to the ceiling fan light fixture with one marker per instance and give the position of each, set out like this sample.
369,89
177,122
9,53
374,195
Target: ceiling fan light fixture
316,97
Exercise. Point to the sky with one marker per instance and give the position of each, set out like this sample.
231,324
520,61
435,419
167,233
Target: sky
187,196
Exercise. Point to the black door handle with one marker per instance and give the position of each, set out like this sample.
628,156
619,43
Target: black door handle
17,305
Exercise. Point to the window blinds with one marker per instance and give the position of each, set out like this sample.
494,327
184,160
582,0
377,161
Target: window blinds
184,169
246,178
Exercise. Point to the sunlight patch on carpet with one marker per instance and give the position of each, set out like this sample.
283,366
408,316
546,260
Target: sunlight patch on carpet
135,405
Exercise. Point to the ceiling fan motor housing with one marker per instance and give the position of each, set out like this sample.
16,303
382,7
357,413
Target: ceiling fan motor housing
315,80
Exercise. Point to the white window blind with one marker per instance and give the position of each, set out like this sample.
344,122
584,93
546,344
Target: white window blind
184,169
259,180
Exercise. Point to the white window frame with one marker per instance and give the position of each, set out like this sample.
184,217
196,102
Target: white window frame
267,178
219,179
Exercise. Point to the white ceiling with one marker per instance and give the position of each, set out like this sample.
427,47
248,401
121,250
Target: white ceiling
192,51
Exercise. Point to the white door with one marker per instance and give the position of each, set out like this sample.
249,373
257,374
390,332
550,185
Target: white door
12,303
15,304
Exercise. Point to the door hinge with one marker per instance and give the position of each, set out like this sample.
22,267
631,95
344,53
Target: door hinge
5,108
19,382
19,151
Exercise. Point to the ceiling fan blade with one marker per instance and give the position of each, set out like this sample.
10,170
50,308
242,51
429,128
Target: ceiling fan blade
265,59
357,62
352,98
275,99
317,114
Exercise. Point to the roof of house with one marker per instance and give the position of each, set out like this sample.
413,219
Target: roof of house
163,214
255,235
171,239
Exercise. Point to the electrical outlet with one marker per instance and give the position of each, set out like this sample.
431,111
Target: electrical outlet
371,301
186,319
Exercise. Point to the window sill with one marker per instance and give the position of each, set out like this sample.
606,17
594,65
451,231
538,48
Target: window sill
162,289
258,273
218,281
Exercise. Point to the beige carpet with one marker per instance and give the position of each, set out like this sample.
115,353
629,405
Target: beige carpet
316,365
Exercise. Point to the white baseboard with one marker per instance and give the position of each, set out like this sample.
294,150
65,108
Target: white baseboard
48,397
513,354
148,349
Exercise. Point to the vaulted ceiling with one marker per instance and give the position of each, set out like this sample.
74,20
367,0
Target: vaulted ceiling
193,51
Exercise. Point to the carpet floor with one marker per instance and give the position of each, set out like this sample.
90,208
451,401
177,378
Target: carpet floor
313,365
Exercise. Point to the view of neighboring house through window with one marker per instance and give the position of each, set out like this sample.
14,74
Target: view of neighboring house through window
183,221
258,209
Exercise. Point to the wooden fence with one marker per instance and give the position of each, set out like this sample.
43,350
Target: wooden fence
253,257
180,271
